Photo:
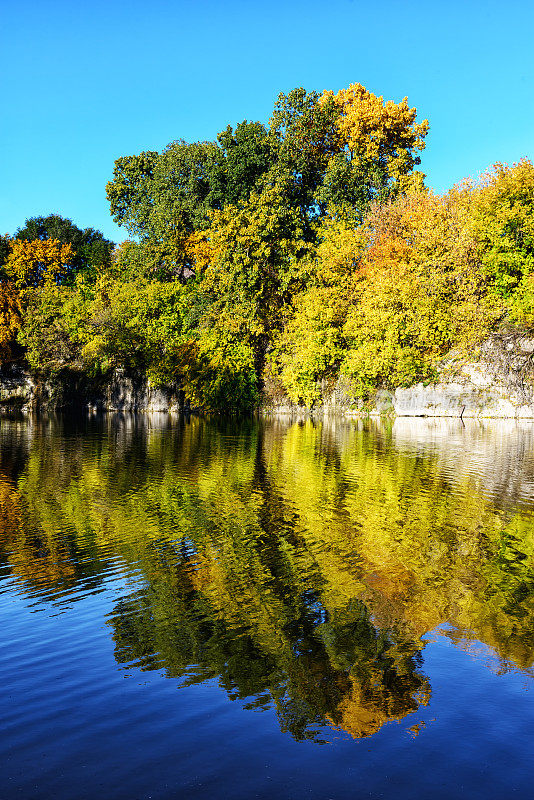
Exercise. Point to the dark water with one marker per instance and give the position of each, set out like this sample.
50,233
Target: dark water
266,610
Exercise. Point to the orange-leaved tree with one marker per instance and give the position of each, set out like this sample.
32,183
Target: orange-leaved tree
10,318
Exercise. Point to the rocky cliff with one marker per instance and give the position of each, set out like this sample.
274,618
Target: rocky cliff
119,391
494,381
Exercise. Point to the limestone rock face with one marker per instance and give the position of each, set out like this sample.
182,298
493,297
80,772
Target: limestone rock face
457,399
495,381
125,392
17,389
120,391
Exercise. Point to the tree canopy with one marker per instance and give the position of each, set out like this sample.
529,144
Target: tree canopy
290,255
91,250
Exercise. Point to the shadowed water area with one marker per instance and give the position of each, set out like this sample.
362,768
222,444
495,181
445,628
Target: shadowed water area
259,609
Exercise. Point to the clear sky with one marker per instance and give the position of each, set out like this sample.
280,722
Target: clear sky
83,83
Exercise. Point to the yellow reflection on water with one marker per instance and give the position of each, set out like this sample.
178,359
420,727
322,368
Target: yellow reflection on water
299,564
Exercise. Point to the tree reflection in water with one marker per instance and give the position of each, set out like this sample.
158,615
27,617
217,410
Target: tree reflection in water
299,565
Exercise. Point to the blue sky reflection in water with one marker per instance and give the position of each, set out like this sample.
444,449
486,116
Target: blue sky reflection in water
204,609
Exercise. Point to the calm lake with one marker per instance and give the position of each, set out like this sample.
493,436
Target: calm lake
266,609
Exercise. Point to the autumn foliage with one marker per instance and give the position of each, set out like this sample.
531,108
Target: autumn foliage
378,132
10,318
292,254
33,264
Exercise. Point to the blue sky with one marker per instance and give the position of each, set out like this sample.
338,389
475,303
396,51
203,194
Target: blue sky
84,83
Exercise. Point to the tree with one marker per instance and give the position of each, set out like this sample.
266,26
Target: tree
420,291
378,145
316,146
247,154
29,267
311,345
4,248
166,196
500,214
10,319
251,266
91,250
373,130
30,264
306,132
169,193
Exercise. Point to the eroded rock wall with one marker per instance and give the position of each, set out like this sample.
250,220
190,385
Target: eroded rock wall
120,391
494,381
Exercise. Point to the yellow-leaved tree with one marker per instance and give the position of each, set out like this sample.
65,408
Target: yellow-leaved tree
377,131
384,301
309,349
421,291
378,147
30,266
500,214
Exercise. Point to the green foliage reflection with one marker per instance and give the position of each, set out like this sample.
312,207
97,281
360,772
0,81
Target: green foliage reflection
298,565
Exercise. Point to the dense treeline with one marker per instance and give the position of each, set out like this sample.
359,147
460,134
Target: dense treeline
288,255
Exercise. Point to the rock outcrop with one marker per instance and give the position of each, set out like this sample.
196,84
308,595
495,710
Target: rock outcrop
119,391
17,389
123,392
495,381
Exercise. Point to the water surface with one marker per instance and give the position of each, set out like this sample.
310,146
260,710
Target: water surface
208,609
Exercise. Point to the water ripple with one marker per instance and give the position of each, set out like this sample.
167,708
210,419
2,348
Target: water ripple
183,603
